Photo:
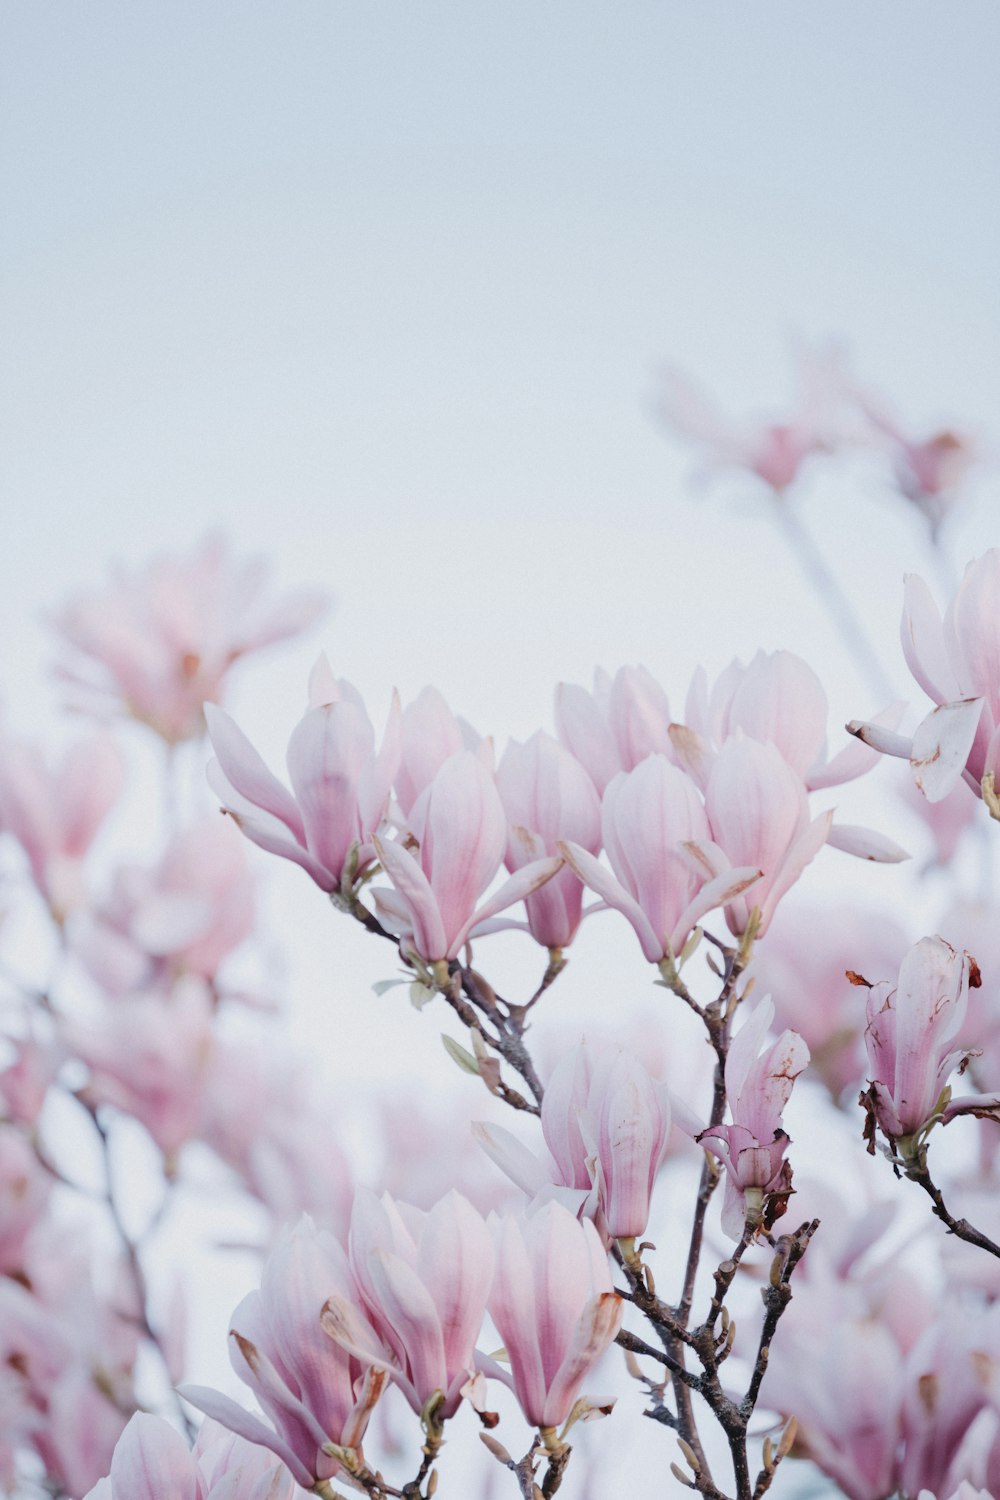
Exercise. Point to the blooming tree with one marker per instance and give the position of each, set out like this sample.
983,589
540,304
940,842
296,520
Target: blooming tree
522,1302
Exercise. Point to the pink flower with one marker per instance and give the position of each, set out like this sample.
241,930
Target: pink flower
424,1279
182,916
55,812
759,816
340,785
313,1391
151,1462
957,663
929,471
950,1379
149,1058
554,1306
776,699
773,451
157,644
459,825
548,796
612,729
752,1148
430,734
606,1123
911,1039
650,817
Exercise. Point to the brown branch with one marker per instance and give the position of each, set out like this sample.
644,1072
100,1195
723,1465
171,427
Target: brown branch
915,1168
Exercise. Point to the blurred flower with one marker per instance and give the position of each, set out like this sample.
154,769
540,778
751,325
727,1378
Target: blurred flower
158,644
54,812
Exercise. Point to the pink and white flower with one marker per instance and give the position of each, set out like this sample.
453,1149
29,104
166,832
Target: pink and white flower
554,1306
340,784
460,829
752,1148
158,644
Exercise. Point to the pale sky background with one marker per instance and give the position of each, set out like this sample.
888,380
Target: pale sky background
383,290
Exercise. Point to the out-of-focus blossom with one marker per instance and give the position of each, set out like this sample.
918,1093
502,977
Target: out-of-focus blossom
158,644
424,1279
25,1081
929,471
758,814
548,796
554,1306
340,784
461,831
606,1124
263,1113
848,1407
775,452
54,812
913,1028
70,1355
957,663
430,734
803,967
752,1148
946,822
950,1377
612,729
183,916
24,1193
149,1058
313,1391
650,818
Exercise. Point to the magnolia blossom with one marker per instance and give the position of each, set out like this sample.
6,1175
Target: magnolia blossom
554,1306
430,734
548,796
752,1148
929,471
913,1027
314,1392
423,1279
651,819
157,644
615,727
54,812
777,699
340,784
461,832
150,1057
152,1462
182,916
950,1379
606,1123
759,816
957,663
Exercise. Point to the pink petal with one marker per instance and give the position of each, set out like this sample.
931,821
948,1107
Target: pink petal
865,843
922,636
603,883
246,772
941,745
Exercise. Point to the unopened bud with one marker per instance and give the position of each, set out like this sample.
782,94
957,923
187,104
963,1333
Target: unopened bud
787,1439
496,1448
679,1474
690,1455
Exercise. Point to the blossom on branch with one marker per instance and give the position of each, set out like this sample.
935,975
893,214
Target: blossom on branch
752,1148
